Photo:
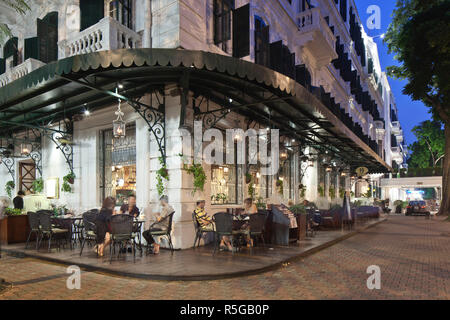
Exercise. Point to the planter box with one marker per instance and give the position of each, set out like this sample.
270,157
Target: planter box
14,229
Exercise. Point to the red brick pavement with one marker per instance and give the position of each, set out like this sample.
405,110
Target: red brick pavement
412,252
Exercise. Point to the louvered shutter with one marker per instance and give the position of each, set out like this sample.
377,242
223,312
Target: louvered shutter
241,31
91,12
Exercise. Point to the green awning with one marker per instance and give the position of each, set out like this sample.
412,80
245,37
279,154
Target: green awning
65,87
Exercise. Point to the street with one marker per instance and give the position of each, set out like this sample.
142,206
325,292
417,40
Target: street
413,254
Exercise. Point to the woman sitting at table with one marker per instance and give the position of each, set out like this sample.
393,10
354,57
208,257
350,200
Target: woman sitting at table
207,224
130,208
249,206
103,224
160,224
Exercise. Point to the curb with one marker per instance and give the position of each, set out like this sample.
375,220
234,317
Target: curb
271,267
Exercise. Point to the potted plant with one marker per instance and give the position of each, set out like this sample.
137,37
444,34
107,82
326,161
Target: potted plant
248,178
68,181
38,185
321,190
9,187
279,184
260,204
251,191
302,190
161,174
332,192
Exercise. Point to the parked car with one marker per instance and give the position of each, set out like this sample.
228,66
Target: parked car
417,208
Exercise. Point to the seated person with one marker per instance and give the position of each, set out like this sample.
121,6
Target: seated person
207,224
160,224
103,224
18,200
130,208
249,206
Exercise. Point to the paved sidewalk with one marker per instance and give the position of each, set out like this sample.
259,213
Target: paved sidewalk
412,252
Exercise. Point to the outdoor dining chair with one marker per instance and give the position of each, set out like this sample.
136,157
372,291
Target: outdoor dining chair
224,228
122,234
33,221
257,224
47,229
199,231
89,229
165,233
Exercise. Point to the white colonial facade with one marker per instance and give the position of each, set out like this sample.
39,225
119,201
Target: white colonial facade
326,46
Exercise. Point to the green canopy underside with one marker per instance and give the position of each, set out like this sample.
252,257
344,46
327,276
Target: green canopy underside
53,92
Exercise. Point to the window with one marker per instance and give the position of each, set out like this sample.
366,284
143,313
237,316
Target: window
91,12
118,164
226,186
222,23
121,10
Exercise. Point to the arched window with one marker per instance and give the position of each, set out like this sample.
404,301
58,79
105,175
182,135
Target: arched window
10,53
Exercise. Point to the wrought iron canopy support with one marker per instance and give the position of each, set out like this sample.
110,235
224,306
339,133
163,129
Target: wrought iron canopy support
10,164
155,119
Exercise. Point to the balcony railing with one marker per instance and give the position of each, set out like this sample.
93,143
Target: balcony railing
316,36
107,34
19,71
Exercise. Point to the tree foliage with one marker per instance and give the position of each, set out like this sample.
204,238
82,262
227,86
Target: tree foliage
20,6
429,149
419,37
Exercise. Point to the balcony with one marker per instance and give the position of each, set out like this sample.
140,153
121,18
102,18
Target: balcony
315,37
19,71
396,129
107,34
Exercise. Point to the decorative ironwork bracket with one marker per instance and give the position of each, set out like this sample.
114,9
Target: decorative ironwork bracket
155,119
10,165
64,146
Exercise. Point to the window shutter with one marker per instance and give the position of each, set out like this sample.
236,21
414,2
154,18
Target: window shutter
91,12
47,33
2,66
262,46
276,56
11,49
241,31
32,48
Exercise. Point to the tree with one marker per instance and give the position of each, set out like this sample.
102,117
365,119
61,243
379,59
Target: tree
20,6
419,37
428,150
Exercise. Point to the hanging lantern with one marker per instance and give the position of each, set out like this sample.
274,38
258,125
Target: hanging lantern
25,149
119,124
328,168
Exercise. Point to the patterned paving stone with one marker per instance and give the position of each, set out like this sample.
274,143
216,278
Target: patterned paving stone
412,253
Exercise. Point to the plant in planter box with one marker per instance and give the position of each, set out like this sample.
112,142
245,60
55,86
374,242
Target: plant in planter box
38,185
68,181
9,187
13,212
341,193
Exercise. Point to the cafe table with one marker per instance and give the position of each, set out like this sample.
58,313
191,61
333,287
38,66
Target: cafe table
239,221
137,230
72,223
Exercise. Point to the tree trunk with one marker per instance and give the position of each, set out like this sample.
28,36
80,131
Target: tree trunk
445,203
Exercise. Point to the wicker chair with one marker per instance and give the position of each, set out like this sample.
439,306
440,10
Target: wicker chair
224,227
122,234
33,221
257,224
199,232
165,233
89,229
47,230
